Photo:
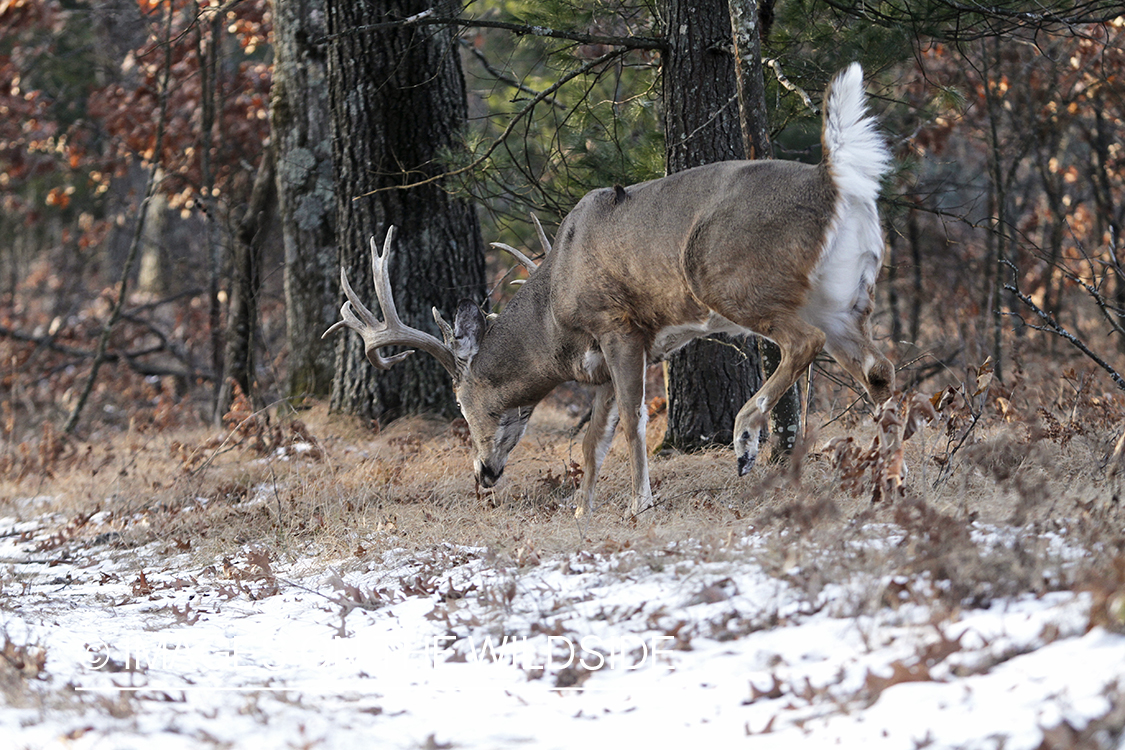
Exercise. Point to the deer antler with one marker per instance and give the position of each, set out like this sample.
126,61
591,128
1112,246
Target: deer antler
525,261
391,331
542,235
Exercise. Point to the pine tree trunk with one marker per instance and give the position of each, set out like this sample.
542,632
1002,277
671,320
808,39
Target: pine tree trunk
398,101
707,381
301,134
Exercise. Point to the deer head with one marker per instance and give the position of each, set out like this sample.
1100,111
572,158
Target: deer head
494,426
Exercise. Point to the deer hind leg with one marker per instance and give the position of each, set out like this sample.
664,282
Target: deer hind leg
851,346
799,343
595,445
625,357
867,364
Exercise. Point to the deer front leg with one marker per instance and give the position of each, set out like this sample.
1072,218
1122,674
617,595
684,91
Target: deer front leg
626,359
595,445
799,343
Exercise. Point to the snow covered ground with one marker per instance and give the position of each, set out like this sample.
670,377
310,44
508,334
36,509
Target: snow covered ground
451,648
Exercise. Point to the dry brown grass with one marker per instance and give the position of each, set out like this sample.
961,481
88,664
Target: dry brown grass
320,488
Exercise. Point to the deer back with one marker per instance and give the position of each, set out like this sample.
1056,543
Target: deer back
667,252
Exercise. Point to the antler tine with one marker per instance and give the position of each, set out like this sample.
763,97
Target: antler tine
542,235
524,261
391,331
445,328
382,279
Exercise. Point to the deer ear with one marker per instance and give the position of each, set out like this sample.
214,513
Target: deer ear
468,329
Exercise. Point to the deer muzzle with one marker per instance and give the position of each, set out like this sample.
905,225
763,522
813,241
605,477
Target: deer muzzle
487,476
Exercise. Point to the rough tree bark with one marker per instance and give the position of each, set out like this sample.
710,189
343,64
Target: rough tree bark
301,134
709,380
398,102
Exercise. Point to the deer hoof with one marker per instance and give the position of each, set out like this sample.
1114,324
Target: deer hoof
642,503
746,448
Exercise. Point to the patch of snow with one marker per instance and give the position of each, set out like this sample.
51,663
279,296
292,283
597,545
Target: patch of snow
451,645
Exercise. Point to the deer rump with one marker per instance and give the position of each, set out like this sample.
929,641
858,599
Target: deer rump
781,249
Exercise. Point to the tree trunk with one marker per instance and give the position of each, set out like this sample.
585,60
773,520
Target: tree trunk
1104,199
152,276
208,50
242,313
398,103
999,199
301,134
750,83
918,288
708,381
894,263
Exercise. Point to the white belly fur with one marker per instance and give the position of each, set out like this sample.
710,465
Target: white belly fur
672,338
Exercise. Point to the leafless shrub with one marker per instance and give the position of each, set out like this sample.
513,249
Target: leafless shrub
21,666
1108,589
26,661
880,469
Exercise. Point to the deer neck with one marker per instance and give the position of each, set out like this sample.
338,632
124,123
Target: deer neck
524,352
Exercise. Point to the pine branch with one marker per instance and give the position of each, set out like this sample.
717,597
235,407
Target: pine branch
954,21
503,77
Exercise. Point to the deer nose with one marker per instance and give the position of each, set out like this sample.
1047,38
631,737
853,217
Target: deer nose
487,476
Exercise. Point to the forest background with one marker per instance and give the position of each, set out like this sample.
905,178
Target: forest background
153,119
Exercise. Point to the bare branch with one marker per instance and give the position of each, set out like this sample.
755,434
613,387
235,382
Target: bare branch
541,96
129,357
425,19
505,78
1053,326
784,81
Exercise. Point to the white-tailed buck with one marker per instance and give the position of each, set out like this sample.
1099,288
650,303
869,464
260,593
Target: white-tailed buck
786,250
